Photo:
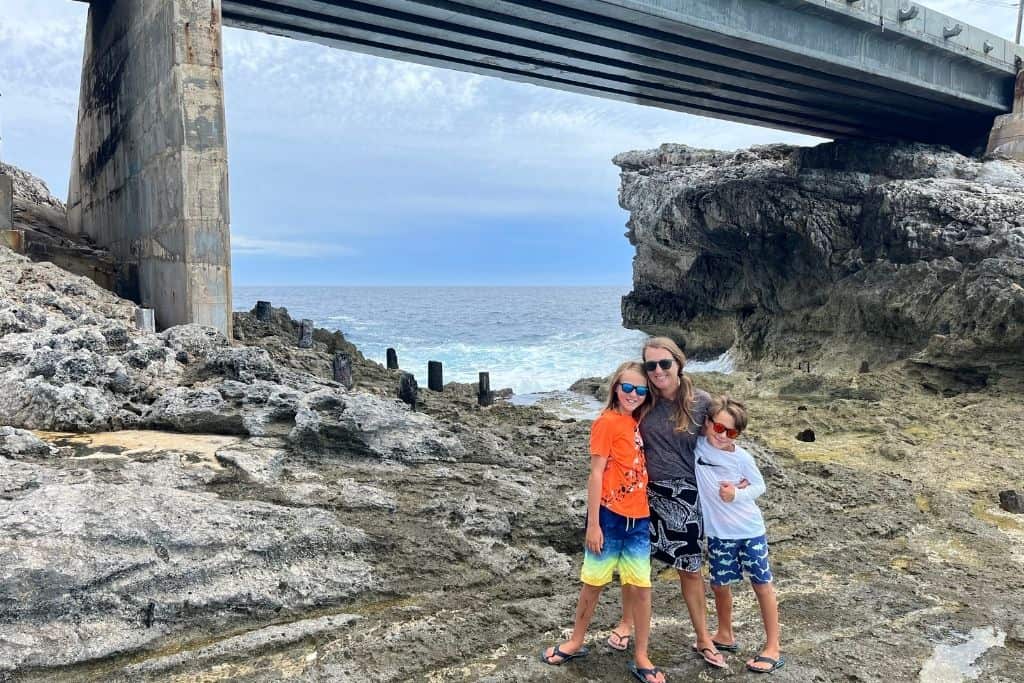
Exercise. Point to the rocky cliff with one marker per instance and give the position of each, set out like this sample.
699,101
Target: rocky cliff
837,254
43,220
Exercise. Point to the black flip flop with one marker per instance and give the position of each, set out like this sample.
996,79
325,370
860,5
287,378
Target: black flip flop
776,664
565,657
722,647
642,674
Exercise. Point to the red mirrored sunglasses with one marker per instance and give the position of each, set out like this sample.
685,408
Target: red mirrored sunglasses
722,429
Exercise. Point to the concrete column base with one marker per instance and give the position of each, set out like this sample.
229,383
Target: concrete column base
6,202
1007,137
149,177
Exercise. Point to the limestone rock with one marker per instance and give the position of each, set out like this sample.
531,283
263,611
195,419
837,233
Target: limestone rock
101,568
829,252
19,443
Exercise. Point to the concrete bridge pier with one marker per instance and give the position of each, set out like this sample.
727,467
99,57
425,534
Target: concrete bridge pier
149,175
1007,136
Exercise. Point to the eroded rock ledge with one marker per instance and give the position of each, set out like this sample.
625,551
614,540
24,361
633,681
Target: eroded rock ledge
838,253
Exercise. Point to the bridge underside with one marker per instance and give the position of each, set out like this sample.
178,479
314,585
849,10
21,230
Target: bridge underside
789,65
149,175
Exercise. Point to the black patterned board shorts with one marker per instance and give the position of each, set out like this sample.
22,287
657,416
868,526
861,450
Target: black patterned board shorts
677,528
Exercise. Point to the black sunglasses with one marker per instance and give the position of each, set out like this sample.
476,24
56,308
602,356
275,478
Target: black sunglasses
665,364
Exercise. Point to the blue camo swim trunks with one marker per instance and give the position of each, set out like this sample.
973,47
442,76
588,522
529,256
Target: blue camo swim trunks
729,558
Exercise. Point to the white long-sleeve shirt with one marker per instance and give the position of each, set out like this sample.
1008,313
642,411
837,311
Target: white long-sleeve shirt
740,518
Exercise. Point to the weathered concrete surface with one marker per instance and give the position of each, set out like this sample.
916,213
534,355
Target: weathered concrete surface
149,175
825,68
6,202
1007,137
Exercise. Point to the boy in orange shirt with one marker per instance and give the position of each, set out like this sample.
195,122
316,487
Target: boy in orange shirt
617,522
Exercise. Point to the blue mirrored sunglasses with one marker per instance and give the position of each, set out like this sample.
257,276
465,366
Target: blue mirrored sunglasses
630,388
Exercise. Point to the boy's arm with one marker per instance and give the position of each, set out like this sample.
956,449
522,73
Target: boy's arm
752,475
595,538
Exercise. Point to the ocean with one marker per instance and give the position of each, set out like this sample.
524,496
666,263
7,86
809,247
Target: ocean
535,340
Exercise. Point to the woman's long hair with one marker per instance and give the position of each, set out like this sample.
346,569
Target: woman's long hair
613,397
682,414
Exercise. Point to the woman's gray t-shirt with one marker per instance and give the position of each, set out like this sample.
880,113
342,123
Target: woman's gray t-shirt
670,453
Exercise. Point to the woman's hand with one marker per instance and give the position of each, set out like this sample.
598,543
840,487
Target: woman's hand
595,539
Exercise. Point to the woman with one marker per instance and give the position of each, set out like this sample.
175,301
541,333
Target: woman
670,430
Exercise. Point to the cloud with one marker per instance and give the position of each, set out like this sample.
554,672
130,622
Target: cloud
298,248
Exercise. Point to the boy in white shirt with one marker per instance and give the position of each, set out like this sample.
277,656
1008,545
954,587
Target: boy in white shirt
729,483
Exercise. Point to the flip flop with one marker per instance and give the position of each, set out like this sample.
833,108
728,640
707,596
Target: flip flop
775,664
642,674
709,656
723,647
619,642
565,657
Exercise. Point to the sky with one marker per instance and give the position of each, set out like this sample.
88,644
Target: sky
348,169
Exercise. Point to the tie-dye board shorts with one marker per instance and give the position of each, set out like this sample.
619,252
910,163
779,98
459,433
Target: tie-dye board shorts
627,548
729,558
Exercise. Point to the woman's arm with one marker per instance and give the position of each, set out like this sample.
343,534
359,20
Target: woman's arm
595,538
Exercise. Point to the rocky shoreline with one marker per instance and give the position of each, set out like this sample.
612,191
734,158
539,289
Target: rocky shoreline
836,254
181,507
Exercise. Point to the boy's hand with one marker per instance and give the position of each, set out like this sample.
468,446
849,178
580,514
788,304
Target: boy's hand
595,539
743,484
726,491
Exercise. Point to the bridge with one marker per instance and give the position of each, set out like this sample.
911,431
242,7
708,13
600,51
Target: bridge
149,177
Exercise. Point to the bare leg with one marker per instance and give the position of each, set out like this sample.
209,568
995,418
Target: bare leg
640,600
625,626
723,608
584,613
692,585
769,605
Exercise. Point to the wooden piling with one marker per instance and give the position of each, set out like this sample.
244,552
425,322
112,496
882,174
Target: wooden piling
263,311
435,375
342,367
484,396
408,390
392,359
306,334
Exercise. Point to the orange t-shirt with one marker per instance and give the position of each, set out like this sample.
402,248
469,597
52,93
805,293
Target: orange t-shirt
624,487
